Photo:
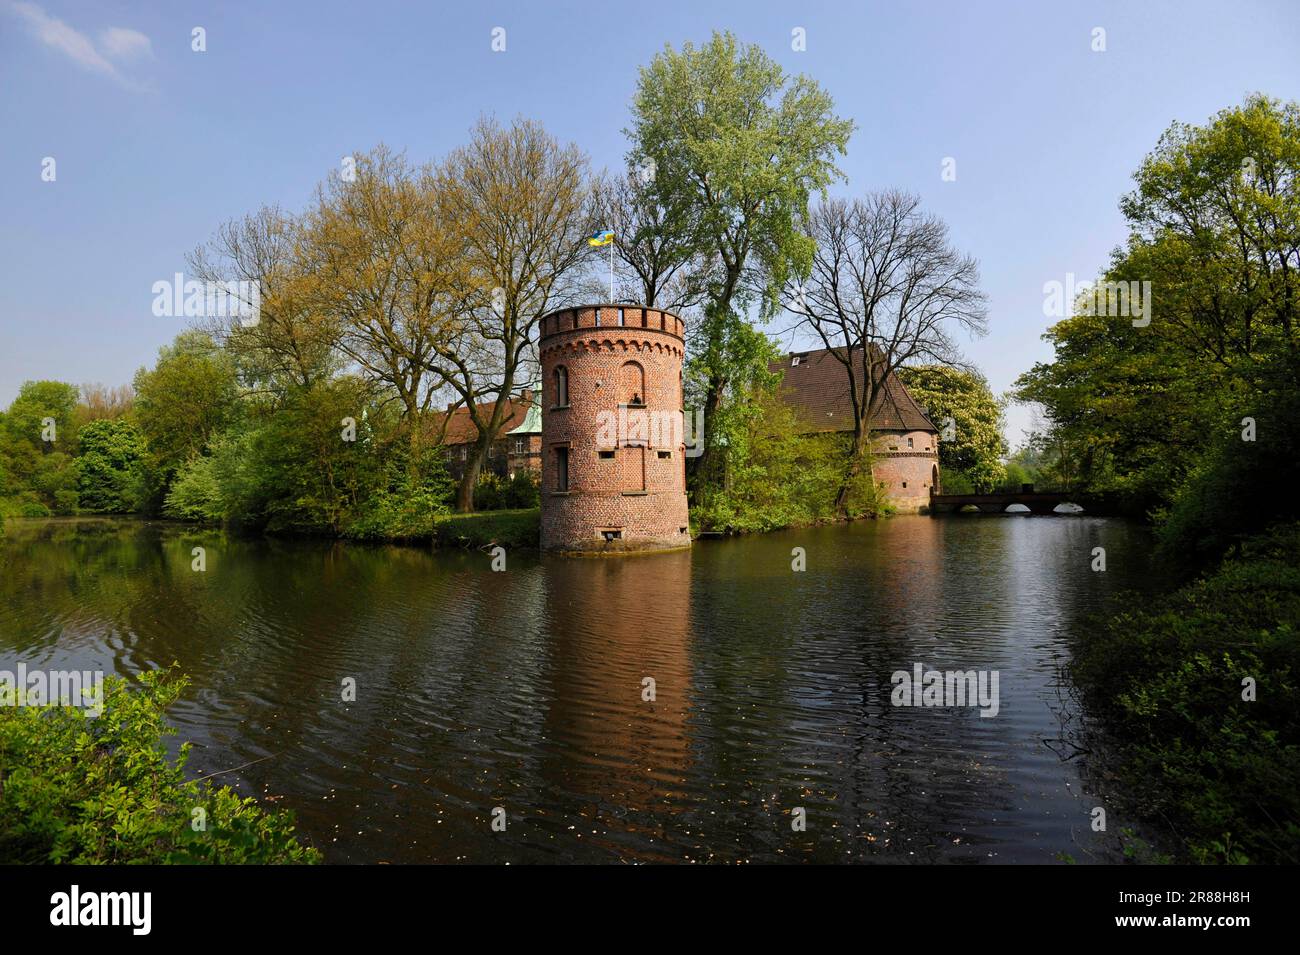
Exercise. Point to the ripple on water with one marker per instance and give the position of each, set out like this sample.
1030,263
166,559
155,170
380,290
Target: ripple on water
528,690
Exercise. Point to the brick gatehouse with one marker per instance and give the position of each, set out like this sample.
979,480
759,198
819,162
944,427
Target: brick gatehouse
904,441
613,451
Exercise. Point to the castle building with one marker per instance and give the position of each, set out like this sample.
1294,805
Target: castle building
518,449
612,442
904,441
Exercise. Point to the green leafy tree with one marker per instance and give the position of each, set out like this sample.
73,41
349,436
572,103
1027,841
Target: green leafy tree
978,447
190,395
1135,407
736,147
108,466
38,474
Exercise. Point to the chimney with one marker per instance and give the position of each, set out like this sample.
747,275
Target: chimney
526,396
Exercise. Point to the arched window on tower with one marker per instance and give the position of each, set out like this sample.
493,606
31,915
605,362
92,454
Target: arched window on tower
561,386
631,385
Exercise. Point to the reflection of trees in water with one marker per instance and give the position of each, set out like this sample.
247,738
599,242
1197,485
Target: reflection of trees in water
523,688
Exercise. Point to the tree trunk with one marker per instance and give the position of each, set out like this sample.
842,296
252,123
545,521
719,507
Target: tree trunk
705,461
468,480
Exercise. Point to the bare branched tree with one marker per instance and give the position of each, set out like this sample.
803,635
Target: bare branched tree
885,289
285,347
655,245
517,201
387,276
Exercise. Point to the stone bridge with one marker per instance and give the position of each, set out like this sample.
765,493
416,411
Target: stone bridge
1038,502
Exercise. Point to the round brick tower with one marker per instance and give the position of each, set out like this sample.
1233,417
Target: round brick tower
613,448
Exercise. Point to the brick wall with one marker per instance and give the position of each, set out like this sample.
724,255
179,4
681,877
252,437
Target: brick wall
621,426
907,471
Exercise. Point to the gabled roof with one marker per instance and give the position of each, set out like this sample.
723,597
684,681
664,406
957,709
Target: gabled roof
818,390
523,417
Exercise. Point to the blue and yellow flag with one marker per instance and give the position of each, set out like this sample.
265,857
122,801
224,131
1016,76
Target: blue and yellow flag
604,237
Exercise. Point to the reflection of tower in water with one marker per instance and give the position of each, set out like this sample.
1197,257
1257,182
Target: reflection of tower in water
616,624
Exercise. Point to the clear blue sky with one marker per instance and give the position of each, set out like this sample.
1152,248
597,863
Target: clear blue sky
156,145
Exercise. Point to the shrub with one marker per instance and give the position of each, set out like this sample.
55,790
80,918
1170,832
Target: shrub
954,482
195,494
495,493
1167,680
777,477
25,504
408,499
85,790
1240,487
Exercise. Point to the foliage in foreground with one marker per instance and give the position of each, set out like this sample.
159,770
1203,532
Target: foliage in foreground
1216,769
85,790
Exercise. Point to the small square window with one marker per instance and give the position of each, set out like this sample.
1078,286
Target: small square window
665,455
605,455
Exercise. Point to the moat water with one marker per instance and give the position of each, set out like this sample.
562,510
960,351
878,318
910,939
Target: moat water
524,690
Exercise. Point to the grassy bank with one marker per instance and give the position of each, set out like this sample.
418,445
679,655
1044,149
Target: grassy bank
1213,769
509,529
90,790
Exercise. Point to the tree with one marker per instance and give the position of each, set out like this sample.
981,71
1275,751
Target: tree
100,402
884,288
655,245
1215,226
189,396
108,460
284,345
737,148
387,275
37,439
977,446
40,405
518,201
1214,223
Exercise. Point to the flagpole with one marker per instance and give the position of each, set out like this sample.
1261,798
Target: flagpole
611,273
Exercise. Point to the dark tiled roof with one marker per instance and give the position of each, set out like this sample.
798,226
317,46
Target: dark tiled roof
818,389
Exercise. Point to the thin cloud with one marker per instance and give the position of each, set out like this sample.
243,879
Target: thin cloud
117,42
124,44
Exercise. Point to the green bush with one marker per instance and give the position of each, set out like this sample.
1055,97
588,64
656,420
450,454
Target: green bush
89,790
414,489
495,493
954,482
196,494
1167,680
25,504
776,477
1240,487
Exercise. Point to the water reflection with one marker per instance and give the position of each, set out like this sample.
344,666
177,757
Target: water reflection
524,689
